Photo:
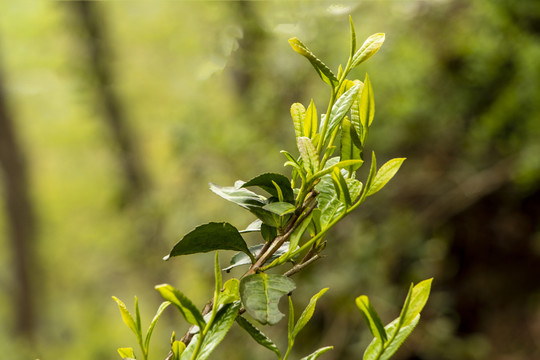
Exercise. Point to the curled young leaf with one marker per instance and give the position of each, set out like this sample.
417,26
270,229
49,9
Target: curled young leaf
324,72
368,49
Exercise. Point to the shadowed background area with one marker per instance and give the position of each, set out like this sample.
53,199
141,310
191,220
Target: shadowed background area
114,116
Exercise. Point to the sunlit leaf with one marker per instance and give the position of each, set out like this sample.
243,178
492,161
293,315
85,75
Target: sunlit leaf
298,112
324,72
126,353
384,175
309,154
210,237
257,335
368,49
307,313
349,148
186,307
310,121
317,353
152,325
375,350
341,186
230,292
372,318
367,104
260,295
178,348
417,299
340,109
353,38
127,318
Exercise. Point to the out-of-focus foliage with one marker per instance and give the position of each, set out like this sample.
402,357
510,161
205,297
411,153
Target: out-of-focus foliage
203,82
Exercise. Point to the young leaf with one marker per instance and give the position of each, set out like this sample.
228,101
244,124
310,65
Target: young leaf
186,307
349,148
280,208
367,104
126,353
353,38
258,336
372,318
384,175
328,201
307,313
340,109
309,154
418,295
260,294
376,351
317,353
160,310
310,121
128,319
230,293
324,72
298,112
266,182
219,328
368,49
178,348
210,237
341,186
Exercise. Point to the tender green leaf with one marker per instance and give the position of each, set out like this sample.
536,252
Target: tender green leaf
257,335
219,328
340,165
240,258
290,325
375,350
372,318
298,112
309,154
368,49
280,208
260,295
152,325
349,148
266,182
307,313
311,121
210,237
324,72
138,316
355,114
317,353
340,109
355,188
230,293
341,186
178,348
353,38
186,307
128,319
298,232
367,104
419,295
345,86
218,282
384,175
371,176
126,353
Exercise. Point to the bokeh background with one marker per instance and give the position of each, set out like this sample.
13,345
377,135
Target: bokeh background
114,116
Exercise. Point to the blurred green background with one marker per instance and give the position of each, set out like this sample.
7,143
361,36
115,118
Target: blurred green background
114,116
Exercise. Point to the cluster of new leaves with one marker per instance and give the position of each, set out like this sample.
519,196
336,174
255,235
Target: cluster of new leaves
293,219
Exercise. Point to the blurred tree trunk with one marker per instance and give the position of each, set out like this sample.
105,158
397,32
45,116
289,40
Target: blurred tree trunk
20,219
98,52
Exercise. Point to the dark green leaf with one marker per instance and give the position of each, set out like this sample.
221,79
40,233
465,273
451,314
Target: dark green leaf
307,313
210,237
257,335
260,295
317,353
372,318
255,226
368,49
186,307
324,72
268,232
238,195
265,182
